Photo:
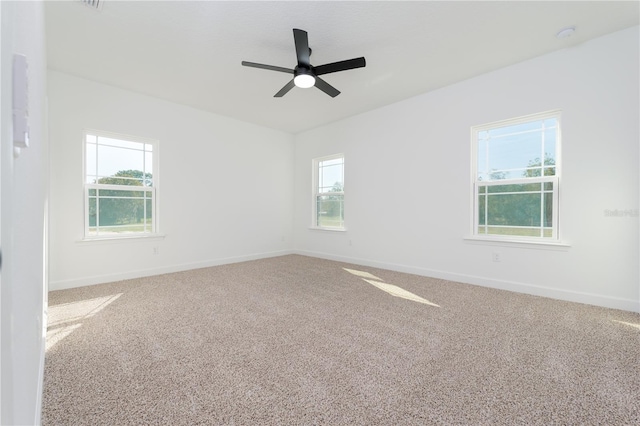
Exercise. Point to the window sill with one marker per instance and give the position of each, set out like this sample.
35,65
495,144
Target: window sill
317,228
122,238
523,243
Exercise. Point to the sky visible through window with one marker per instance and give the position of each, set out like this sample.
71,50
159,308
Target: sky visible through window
330,173
508,152
107,156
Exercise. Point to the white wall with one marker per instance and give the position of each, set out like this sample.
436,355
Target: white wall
407,180
23,227
226,191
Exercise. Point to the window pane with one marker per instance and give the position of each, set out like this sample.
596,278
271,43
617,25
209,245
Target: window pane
482,200
548,209
148,168
483,166
520,150
92,211
90,162
514,209
510,155
149,221
550,136
118,211
549,171
330,178
113,160
537,168
330,211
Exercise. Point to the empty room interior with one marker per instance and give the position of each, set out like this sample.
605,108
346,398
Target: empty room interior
368,212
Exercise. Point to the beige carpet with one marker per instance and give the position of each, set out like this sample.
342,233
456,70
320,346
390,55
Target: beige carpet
295,340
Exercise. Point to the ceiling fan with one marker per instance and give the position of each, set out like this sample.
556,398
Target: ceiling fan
306,75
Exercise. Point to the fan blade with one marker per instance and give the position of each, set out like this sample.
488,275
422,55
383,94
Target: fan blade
349,64
267,67
285,89
302,47
326,87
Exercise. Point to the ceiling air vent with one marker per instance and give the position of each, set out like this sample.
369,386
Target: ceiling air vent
94,4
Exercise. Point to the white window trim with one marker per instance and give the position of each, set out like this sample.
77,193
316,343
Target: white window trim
522,241
122,238
315,193
156,185
528,244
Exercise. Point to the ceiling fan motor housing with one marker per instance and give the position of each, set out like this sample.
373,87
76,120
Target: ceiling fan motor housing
306,75
301,70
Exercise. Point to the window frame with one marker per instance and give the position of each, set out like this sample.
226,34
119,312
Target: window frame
316,193
86,187
555,238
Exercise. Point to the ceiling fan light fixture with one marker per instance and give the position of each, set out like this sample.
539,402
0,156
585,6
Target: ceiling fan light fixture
306,75
304,81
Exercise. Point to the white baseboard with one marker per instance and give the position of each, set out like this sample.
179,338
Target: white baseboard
39,392
554,293
100,279
536,290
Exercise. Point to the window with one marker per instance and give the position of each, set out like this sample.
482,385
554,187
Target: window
120,186
328,192
516,171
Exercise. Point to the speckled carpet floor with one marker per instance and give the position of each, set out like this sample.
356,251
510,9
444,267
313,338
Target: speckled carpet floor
295,340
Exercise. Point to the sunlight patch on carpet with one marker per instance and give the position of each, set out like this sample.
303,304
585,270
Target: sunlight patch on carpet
396,291
362,274
65,318
628,323
57,334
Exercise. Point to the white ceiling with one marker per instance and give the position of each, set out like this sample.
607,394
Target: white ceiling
189,52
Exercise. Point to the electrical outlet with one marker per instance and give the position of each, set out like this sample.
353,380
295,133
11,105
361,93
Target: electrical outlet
495,256
156,250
